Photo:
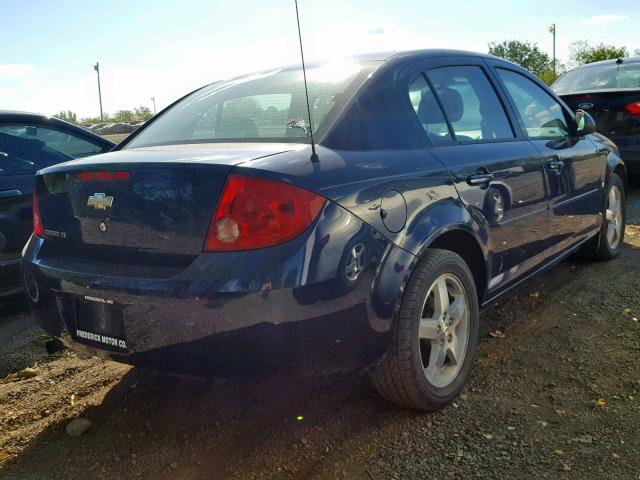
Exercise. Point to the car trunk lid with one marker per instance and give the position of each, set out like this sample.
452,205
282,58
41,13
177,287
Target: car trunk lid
142,207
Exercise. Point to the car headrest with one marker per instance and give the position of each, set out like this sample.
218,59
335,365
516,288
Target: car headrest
429,111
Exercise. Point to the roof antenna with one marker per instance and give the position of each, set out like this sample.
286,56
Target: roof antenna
314,155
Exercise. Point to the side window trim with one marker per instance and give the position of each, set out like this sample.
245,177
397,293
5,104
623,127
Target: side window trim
492,82
402,85
452,133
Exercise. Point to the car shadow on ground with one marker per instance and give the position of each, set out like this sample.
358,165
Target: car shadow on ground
22,342
11,306
156,425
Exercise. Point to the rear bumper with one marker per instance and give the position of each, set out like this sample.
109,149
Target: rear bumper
284,306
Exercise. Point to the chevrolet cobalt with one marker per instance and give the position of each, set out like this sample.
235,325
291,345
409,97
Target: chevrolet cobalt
212,240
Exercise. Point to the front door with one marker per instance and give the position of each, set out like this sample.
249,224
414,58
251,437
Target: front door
573,169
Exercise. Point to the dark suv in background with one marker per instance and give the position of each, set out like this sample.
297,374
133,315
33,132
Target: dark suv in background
610,92
30,142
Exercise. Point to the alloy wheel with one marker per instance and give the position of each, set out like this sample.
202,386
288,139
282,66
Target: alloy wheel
614,217
444,330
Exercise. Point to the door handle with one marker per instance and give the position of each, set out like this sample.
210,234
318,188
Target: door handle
555,164
480,178
10,193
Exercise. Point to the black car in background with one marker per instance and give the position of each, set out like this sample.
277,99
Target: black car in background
610,92
29,142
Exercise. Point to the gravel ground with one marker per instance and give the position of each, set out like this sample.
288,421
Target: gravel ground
22,343
553,394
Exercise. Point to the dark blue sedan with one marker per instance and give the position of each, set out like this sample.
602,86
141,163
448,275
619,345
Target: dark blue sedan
213,241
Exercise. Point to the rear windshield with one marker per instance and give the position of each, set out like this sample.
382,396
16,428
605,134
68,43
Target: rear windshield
601,77
268,106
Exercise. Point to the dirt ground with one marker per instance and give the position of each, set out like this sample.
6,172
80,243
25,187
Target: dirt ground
558,396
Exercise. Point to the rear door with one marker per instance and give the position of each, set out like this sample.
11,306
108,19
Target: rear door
573,167
497,173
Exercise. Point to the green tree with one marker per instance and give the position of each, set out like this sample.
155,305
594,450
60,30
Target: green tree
548,76
525,54
142,113
583,53
67,116
122,116
94,120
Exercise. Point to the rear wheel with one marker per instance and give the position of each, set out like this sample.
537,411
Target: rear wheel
434,337
608,244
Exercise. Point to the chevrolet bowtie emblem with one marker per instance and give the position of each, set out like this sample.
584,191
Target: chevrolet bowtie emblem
100,201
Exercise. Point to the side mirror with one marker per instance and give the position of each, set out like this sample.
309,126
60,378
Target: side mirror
585,123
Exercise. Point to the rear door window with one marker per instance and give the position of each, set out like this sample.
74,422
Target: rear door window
471,104
27,148
428,111
63,142
541,114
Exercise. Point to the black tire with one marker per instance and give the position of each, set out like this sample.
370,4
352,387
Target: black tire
599,247
400,376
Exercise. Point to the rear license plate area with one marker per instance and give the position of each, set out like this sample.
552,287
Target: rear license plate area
94,321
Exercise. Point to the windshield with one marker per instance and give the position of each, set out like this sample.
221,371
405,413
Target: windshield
269,106
601,77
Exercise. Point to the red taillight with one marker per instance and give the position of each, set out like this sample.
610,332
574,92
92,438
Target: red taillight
257,213
38,229
633,108
102,176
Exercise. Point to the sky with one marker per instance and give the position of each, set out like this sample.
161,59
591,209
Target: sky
167,48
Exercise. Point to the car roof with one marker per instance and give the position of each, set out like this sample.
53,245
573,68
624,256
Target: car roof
414,55
16,114
609,62
389,59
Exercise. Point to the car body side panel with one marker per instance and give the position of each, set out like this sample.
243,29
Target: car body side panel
358,182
